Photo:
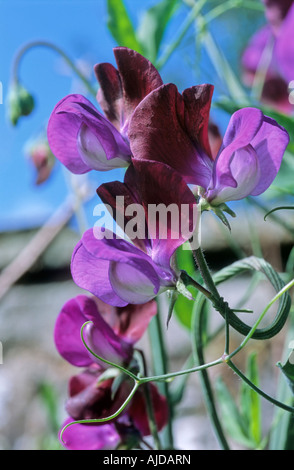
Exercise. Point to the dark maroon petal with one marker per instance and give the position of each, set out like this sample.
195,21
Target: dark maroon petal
138,77
124,207
89,437
109,95
170,207
88,400
197,108
93,397
138,413
158,132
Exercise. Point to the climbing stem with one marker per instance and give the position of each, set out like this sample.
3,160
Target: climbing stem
49,45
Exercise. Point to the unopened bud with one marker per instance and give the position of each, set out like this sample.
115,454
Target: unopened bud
20,102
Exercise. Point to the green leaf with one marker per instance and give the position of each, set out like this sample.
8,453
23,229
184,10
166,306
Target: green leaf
282,434
153,25
233,420
121,27
250,401
183,307
288,368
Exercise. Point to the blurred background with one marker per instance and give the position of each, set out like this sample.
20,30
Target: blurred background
43,209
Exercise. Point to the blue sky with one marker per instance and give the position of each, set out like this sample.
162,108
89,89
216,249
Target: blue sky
79,28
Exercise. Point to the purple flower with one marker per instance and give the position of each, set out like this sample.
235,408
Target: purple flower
271,47
81,137
111,333
119,271
246,163
249,158
92,395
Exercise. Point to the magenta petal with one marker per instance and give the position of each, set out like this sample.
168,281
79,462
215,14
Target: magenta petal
245,171
284,50
102,340
109,95
270,144
129,322
89,437
114,270
82,139
159,130
253,52
242,128
91,274
67,333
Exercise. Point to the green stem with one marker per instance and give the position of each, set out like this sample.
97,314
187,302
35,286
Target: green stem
110,363
258,203
197,328
151,416
160,364
258,390
253,329
108,418
222,307
172,375
229,5
59,51
182,32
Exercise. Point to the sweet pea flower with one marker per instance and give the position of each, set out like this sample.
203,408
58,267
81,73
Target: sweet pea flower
84,139
173,128
111,333
270,51
121,271
91,393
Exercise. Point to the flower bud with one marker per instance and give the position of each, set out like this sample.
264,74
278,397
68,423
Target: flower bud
39,153
20,102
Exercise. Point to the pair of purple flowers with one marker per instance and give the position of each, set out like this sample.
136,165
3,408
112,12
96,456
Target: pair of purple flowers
161,137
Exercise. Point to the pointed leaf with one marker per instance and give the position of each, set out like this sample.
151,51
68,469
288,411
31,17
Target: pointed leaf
120,25
153,26
251,404
233,421
288,368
